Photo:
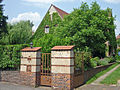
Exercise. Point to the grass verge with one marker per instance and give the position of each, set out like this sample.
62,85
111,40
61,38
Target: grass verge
101,73
112,78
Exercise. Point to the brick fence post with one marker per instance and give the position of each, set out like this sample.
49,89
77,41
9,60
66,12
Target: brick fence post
30,66
62,67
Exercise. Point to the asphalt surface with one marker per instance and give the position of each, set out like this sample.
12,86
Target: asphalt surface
9,86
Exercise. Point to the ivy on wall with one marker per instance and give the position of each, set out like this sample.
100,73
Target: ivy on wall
48,40
40,32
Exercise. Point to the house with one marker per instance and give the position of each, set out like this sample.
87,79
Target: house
53,16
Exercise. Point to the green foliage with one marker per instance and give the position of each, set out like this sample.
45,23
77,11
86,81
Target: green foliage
3,24
106,61
82,57
18,33
89,26
87,57
78,60
10,56
94,62
103,62
117,56
40,32
48,41
118,42
101,73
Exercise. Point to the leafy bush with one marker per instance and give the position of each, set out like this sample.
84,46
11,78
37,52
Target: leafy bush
10,56
94,62
103,62
79,56
87,57
117,58
49,41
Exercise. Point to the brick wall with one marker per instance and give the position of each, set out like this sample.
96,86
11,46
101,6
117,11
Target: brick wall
17,77
62,81
82,78
78,80
90,73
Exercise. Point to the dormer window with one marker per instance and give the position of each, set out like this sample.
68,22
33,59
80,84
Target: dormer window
46,29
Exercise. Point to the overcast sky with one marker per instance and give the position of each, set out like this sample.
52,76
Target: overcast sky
34,10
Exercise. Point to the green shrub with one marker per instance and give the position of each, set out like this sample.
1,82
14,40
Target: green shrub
107,59
10,56
117,58
94,62
87,57
103,62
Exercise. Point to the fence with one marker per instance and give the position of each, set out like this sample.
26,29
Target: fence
60,69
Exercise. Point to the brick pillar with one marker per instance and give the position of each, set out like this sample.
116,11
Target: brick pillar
62,67
30,66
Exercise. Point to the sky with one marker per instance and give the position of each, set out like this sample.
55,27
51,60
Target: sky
35,10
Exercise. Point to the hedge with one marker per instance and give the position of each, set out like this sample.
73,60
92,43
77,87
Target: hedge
10,56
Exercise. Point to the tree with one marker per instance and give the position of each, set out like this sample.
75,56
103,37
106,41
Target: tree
3,24
88,26
18,33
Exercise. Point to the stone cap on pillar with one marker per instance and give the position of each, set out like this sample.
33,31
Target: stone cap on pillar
63,47
29,49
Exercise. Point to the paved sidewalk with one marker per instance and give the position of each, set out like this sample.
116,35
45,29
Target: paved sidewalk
97,82
9,86
98,87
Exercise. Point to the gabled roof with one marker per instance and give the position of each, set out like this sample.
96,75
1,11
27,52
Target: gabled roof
60,12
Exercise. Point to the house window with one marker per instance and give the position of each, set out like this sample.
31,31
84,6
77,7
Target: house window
46,29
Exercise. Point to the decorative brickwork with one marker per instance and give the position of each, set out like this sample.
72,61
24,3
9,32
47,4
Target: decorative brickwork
90,73
78,80
83,77
62,67
17,77
30,65
62,81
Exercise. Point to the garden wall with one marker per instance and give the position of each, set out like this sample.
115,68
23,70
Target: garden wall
17,77
82,78
29,79
90,73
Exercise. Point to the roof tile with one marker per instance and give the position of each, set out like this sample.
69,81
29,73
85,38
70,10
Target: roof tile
63,47
31,49
61,12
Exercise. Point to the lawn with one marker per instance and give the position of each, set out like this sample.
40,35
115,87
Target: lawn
112,78
101,73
